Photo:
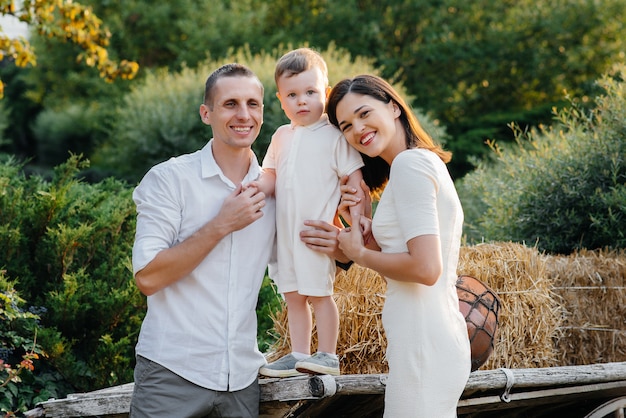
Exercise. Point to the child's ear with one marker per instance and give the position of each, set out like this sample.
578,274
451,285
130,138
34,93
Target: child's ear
328,89
280,100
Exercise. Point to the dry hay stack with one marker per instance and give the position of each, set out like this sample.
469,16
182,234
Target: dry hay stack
555,310
592,285
530,315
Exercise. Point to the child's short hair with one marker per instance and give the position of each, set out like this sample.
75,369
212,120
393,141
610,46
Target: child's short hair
299,60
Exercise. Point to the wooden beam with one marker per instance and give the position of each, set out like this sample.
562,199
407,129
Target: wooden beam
484,387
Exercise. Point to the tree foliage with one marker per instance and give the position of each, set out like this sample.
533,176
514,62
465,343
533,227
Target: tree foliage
562,188
68,21
474,66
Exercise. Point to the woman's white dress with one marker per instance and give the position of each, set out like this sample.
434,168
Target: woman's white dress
428,347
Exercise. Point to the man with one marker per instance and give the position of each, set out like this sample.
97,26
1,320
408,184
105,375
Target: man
202,244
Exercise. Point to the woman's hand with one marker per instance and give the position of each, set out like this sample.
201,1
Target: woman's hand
352,243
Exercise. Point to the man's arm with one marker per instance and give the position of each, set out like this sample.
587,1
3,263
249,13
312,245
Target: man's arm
240,209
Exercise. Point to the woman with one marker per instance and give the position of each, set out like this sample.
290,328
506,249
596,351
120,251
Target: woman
416,239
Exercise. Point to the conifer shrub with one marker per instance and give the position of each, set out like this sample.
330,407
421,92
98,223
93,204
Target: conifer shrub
562,188
67,246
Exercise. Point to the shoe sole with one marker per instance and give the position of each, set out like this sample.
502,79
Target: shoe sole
317,369
279,373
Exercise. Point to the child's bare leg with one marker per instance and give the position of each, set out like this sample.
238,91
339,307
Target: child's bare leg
327,323
300,322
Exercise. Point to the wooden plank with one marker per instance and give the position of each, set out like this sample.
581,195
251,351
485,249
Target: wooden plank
287,396
486,380
542,397
87,405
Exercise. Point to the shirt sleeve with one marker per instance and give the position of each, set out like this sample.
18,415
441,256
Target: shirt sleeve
269,161
348,159
415,185
158,217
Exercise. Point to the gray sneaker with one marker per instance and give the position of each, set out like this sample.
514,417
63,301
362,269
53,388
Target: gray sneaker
283,367
319,363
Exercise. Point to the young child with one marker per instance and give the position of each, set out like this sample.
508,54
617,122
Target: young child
303,166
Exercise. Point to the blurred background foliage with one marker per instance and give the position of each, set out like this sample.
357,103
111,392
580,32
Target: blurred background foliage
529,96
473,67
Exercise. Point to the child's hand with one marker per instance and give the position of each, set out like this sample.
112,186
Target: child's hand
351,197
252,184
366,229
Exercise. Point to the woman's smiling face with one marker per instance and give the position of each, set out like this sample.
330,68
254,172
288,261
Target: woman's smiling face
370,125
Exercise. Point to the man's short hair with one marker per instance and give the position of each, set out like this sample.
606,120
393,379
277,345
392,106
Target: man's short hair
227,70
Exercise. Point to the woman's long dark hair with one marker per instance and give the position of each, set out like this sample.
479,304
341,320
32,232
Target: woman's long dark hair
376,170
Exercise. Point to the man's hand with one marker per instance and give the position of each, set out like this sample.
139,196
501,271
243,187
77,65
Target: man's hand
240,209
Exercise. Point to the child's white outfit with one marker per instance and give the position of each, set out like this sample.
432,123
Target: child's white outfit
309,162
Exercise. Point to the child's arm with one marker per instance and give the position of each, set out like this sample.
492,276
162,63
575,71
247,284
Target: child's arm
266,182
354,181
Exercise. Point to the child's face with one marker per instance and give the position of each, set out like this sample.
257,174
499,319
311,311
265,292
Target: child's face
303,96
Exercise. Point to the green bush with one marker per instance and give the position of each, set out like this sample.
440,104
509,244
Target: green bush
4,124
563,188
159,118
68,246
69,130
268,304
20,387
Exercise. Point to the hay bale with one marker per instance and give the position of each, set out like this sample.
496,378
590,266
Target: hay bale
592,287
530,315
555,310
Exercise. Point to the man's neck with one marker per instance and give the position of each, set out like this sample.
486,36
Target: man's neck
234,162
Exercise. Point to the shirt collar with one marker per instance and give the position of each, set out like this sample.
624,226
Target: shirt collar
322,121
210,167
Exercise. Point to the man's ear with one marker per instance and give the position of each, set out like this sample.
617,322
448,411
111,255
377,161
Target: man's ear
205,114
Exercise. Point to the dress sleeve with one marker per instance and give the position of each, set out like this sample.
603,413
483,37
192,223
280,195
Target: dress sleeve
415,184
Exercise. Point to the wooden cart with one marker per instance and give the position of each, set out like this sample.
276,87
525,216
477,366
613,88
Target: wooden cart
590,391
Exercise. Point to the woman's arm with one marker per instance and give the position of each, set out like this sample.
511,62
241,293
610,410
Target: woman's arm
421,264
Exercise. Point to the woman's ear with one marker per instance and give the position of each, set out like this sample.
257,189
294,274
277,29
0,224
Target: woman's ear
396,109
